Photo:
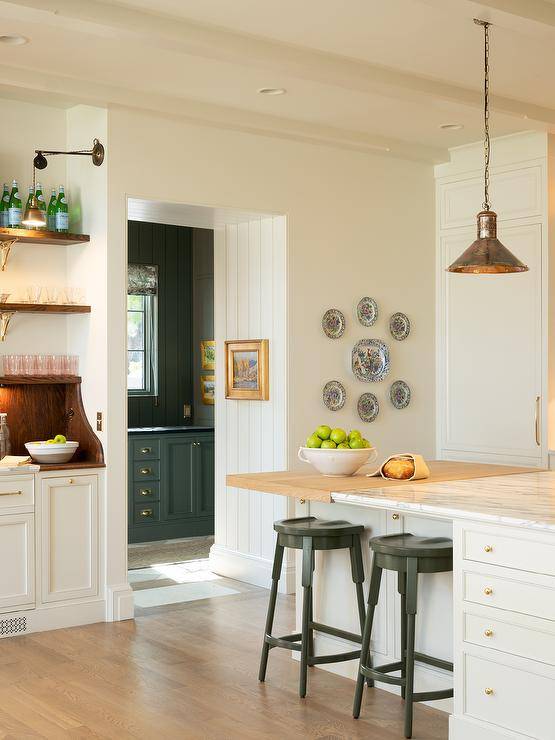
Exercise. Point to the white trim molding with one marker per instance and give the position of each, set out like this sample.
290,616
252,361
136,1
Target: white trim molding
250,568
119,603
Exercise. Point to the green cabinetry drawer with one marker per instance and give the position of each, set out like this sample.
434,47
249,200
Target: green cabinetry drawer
148,470
146,492
146,513
145,448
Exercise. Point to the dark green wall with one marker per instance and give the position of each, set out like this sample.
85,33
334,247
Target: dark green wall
169,247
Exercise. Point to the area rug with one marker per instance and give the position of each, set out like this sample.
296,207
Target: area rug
168,551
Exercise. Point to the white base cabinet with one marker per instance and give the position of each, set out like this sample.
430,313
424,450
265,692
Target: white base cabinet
17,553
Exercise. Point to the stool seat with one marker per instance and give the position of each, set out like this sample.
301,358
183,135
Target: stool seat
411,546
310,526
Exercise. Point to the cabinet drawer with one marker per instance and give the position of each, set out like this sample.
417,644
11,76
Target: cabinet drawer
146,513
508,697
16,491
510,638
146,449
510,552
515,596
148,470
146,492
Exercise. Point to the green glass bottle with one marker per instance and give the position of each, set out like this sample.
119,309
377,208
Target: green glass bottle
14,207
28,205
62,215
4,205
51,212
41,202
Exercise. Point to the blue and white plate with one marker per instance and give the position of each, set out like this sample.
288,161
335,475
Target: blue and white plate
370,360
399,326
399,394
334,395
333,323
368,407
367,311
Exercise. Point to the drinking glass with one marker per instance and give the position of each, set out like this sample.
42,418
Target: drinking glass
29,364
42,364
33,293
50,294
74,295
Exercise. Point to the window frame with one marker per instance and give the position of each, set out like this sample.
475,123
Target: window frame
150,348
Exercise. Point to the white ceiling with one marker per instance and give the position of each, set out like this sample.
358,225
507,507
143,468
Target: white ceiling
363,74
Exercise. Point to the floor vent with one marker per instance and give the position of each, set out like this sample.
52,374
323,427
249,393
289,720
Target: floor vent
13,626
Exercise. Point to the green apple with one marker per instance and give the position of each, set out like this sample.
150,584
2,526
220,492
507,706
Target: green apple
328,444
343,446
338,435
314,441
356,443
50,442
354,433
59,439
366,443
324,431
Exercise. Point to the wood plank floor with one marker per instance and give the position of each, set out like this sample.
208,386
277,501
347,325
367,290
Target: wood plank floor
184,671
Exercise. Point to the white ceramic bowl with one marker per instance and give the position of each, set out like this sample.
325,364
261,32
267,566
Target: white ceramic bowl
52,453
337,463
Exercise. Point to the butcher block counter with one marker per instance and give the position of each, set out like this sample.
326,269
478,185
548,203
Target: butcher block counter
494,616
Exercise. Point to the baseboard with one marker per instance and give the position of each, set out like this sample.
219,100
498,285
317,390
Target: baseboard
250,568
119,603
54,617
463,728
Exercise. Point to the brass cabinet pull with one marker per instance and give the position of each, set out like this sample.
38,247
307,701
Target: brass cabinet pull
145,471
488,548
145,492
395,516
11,493
70,480
537,421
488,590
302,501
146,512
488,633
488,692
146,450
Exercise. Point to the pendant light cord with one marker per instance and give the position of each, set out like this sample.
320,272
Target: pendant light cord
486,204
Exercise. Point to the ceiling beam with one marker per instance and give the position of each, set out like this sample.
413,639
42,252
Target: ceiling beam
153,31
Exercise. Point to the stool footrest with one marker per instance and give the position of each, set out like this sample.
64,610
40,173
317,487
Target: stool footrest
433,695
335,632
337,658
289,642
380,673
436,662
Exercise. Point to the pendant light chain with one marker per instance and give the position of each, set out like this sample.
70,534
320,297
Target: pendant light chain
486,204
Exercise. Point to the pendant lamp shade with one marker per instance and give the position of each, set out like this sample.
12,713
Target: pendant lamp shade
33,216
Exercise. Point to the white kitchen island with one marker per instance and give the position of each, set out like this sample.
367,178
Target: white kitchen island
494,616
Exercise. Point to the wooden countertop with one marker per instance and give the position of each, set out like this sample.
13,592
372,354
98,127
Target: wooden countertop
312,486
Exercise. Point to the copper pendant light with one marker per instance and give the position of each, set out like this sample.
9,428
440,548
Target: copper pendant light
486,255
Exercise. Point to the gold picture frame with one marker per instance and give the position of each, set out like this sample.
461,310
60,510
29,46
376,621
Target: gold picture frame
247,369
208,354
208,389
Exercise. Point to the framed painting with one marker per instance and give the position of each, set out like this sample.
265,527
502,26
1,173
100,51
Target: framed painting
246,375
208,389
208,354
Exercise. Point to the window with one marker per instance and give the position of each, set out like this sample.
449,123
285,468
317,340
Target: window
141,337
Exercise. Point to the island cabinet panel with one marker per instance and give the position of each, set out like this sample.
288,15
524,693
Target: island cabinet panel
17,553
69,513
171,493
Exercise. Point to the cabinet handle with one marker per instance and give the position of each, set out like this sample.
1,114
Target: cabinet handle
488,591
537,421
302,501
146,450
146,512
145,471
395,516
11,493
488,548
145,492
70,480
488,633
488,692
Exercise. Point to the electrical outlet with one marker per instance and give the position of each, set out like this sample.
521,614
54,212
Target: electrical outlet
187,413
99,421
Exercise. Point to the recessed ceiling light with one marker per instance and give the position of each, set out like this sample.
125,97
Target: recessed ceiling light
451,126
272,91
13,39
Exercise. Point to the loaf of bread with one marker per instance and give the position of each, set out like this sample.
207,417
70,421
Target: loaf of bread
398,468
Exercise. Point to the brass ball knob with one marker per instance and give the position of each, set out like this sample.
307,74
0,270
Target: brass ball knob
488,548
488,692
488,633
488,591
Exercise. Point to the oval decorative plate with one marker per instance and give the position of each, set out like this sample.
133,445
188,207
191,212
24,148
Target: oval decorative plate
399,326
334,395
333,323
370,360
368,407
367,311
399,393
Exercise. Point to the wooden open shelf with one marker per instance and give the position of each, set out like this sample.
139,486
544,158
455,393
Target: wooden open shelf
44,308
39,379
42,236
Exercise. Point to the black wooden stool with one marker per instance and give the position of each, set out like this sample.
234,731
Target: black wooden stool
310,534
408,555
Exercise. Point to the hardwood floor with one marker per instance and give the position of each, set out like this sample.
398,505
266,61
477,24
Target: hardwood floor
185,671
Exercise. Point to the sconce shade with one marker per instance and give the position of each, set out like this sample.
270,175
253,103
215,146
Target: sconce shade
487,255
33,216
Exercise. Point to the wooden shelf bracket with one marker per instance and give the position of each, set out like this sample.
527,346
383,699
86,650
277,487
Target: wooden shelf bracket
5,318
5,247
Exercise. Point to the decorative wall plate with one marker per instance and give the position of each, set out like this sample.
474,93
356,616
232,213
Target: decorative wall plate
368,407
367,311
399,393
334,395
370,360
333,323
399,326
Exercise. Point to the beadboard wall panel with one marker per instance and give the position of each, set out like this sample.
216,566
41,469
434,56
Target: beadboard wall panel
250,291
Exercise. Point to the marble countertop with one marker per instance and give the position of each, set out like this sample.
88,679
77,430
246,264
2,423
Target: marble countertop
525,500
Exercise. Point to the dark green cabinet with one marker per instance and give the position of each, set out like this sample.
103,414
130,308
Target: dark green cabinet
171,485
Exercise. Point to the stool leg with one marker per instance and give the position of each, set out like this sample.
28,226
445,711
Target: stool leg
276,572
375,580
357,570
307,598
311,619
411,597
402,588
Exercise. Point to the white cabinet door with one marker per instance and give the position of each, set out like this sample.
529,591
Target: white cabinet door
17,554
69,537
490,354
